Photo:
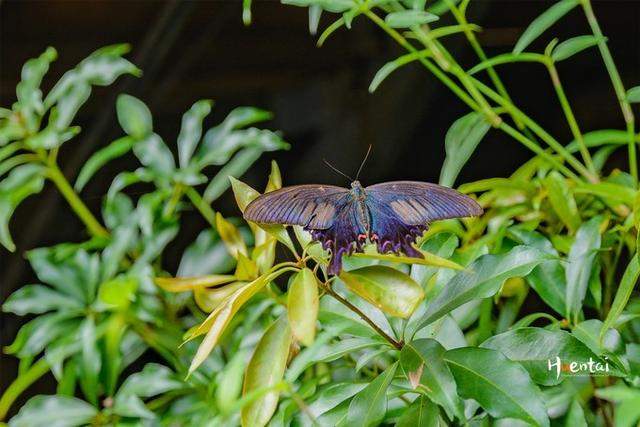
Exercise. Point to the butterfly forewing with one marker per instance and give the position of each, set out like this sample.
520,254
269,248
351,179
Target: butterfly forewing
312,206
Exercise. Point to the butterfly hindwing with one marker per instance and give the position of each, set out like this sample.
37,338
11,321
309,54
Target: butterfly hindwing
419,203
401,211
312,206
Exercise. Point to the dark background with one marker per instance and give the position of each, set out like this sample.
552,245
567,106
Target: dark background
194,50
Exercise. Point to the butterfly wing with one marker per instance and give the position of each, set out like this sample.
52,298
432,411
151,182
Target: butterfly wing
312,206
401,211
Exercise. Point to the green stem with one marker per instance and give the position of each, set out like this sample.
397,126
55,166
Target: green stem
202,206
20,384
496,98
618,86
571,119
171,205
78,206
475,45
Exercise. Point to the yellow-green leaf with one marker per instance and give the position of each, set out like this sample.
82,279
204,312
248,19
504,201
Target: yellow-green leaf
390,290
246,269
243,193
230,236
275,178
266,368
429,259
264,255
302,306
181,284
562,201
210,299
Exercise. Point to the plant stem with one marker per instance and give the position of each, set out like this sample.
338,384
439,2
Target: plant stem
571,119
171,205
363,316
78,206
21,383
496,98
618,86
202,206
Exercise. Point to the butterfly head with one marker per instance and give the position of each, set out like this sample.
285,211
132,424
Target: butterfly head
357,190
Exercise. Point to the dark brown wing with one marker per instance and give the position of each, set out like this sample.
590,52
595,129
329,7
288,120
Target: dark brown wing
419,203
313,206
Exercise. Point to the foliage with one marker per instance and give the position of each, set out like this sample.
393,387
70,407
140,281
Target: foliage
247,338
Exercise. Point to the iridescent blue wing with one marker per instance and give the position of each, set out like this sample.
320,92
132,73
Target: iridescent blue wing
312,206
401,211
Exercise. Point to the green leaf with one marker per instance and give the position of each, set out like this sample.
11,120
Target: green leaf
535,348
574,45
191,130
422,362
548,278
240,163
22,182
134,116
392,66
91,360
118,293
409,18
562,200
625,288
266,368
369,406
390,290
61,411
428,260
482,279
460,142
243,193
580,262
502,387
608,191
154,154
633,94
207,255
507,58
229,382
421,413
116,149
575,415
543,22
332,396
303,305
37,299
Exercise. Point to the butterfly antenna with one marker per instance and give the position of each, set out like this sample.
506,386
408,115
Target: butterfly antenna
366,156
335,169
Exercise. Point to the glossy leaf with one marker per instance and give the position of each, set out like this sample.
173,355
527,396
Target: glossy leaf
191,130
482,279
207,255
37,299
633,94
303,305
574,45
625,288
243,193
266,368
409,18
502,387
66,411
460,142
392,66
429,259
116,149
22,182
535,348
580,262
229,383
154,154
332,396
181,284
369,406
421,413
543,22
91,360
388,289
231,237
562,200
134,116
422,362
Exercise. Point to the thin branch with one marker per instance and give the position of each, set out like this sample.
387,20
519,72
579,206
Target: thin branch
383,334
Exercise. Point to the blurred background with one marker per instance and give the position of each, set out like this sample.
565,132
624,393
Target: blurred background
319,97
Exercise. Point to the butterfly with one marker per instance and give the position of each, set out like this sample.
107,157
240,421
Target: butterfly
392,214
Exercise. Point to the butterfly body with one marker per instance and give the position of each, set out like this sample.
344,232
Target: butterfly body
392,215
